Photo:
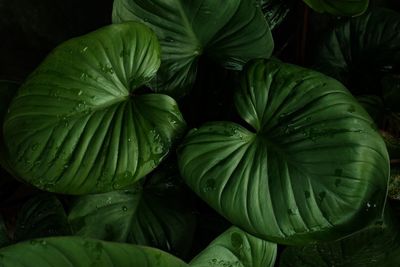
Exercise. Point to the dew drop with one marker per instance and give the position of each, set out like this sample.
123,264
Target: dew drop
351,109
124,208
83,50
209,185
236,240
80,92
291,212
116,185
169,39
35,147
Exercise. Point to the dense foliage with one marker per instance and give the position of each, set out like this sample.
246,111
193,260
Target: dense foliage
240,133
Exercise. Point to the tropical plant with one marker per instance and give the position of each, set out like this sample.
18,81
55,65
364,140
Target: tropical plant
241,133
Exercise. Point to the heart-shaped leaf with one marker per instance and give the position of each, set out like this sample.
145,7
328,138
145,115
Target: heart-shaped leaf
79,123
82,252
231,32
237,248
158,213
314,168
360,51
339,7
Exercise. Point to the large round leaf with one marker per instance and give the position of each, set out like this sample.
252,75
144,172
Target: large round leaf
339,7
158,214
78,125
231,32
82,252
314,168
360,51
237,248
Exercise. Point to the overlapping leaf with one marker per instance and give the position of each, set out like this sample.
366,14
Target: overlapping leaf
237,248
157,213
360,51
78,124
41,216
82,252
314,168
231,32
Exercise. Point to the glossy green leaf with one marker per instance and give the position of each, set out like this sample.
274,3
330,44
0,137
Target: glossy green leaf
231,32
339,7
378,245
8,89
158,214
41,216
82,252
313,168
360,51
80,125
237,248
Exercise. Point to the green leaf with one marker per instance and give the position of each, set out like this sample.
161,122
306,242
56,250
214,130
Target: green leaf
276,11
79,123
82,252
8,89
231,32
339,7
313,168
378,245
237,248
360,51
41,216
158,214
